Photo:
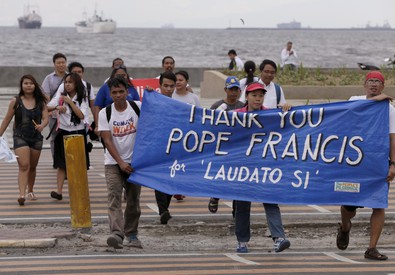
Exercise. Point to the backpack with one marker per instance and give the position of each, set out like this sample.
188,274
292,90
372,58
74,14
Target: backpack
132,104
88,88
278,92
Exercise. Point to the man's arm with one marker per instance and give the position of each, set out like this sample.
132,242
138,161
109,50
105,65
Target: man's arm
391,170
107,138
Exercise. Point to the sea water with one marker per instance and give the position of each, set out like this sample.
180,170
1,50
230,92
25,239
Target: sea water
194,47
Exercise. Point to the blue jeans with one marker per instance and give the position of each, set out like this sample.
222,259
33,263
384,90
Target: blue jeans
273,217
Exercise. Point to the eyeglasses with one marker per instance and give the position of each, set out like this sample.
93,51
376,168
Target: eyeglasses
374,81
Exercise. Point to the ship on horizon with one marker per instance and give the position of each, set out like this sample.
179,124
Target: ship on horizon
290,25
30,19
96,24
385,26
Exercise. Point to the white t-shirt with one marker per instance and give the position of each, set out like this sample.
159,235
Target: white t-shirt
391,112
270,99
64,118
288,59
91,97
243,83
123,127
239,64
189,98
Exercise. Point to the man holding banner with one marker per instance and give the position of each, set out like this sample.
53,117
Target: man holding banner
308,155
167,83
374,85
118,126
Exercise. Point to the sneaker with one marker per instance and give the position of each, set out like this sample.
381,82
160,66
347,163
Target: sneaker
134,241
56,196
213,205
165,217
115,241
242,247
281,244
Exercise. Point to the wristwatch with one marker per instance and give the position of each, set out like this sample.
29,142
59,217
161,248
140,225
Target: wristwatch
392,162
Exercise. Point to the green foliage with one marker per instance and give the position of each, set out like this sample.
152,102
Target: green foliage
322,77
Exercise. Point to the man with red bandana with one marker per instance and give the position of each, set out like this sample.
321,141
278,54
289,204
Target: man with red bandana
374,85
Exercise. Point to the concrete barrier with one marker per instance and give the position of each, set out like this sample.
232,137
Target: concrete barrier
213,83
9,76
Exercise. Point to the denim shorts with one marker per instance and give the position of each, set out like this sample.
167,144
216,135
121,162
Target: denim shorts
35,143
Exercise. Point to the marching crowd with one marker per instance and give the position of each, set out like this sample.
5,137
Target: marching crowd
63,102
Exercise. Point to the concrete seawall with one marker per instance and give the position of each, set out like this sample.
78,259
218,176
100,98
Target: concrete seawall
9,76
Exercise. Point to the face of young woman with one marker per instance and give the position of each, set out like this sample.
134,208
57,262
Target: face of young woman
27,86
255,100
181,82
69,85
121,73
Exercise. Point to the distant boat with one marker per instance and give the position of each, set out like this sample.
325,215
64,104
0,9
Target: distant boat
386,26
96,24
290,25
29,20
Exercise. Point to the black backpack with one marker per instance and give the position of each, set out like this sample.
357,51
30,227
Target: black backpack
132,104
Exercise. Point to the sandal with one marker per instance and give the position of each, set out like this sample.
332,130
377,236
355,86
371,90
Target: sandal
21,201
342,237
213,205
374,254
31,196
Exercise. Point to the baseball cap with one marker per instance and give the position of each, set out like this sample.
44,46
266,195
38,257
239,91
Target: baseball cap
375,74
231,82
254,87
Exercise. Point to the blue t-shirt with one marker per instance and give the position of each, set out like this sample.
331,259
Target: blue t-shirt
104,99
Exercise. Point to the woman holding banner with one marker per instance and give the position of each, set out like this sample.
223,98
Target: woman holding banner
255,93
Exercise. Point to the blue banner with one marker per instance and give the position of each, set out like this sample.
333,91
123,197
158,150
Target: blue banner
331,154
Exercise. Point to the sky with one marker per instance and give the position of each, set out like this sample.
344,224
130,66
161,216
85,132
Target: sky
208,13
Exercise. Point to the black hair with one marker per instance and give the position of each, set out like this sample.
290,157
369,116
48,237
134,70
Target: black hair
184,74
249,68
58,55
79,86
116,59
232,51
38,94
168,56
122,67
268,62
116,82
167,75
75,64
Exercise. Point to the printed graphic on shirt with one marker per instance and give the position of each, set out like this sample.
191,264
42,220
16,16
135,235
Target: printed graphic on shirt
123,128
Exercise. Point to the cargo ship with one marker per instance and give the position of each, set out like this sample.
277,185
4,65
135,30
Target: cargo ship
30,19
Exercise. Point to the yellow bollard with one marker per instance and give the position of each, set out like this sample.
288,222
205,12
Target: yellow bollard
77,177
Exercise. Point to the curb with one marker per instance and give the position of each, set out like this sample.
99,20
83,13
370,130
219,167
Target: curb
30,243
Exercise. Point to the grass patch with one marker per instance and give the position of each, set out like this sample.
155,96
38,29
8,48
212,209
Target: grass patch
322,77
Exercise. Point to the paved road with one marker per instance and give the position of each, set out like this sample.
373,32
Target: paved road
300,259
199,263
46,208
